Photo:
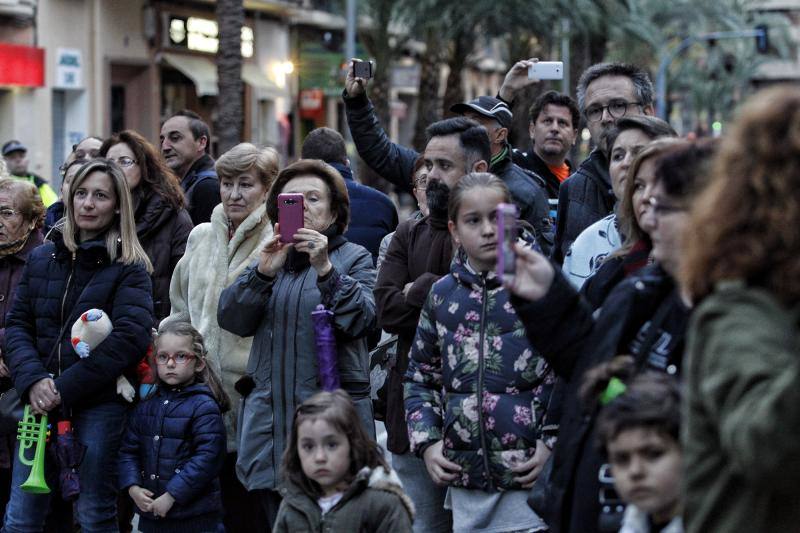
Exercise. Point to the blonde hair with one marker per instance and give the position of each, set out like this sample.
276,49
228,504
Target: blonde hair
245,156
122,231
26,193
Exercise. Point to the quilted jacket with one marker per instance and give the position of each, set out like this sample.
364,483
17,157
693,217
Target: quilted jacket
56,287
175,442
474,380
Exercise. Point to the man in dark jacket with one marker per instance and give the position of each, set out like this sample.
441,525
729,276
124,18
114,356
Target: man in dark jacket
553,128
419,254
185,144
606,92
394,162
15,155
373,214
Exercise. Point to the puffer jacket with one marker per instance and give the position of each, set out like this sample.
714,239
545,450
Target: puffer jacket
583,199
283,362
162,230
56,287
374,503
474,380
175,442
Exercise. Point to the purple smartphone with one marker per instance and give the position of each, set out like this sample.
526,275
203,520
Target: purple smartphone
507,235
290,215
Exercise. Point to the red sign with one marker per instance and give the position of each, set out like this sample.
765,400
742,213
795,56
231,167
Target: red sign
21,65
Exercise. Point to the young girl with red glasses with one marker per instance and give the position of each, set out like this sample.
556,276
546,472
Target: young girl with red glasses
174,446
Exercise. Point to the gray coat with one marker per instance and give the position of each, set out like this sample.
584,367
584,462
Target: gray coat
283,361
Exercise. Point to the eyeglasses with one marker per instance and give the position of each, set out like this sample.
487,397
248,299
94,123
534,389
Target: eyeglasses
421,183
6,213
616,108
125,161
661,209
180,358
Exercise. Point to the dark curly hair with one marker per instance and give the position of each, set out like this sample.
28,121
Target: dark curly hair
340,200
156,175
745,222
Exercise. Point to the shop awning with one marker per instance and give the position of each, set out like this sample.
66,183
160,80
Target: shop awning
203,72
21,65
255,78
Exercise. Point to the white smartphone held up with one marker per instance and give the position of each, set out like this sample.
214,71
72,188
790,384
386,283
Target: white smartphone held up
546,70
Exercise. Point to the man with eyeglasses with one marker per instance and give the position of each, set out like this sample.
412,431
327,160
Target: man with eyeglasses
15,155
606,92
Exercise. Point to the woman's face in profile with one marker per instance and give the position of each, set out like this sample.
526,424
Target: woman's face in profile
317,213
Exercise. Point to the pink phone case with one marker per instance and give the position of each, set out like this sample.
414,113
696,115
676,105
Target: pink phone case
290,215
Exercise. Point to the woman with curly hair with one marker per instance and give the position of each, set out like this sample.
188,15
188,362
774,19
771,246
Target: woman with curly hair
162,223
742,268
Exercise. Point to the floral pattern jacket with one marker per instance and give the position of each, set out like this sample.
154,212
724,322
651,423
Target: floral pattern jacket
474,381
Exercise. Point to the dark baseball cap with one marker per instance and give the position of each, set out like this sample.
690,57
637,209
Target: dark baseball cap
13,146
488,106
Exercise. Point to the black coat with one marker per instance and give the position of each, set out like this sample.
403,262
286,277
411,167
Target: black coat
561,327
162,230
57,286
530,161
201,186
584,198
175,442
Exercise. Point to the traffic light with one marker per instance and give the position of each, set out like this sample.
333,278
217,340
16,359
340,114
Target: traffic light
762,39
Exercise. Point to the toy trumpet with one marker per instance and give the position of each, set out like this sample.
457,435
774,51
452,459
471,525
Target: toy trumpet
33,433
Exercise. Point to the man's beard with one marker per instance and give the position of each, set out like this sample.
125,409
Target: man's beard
438,195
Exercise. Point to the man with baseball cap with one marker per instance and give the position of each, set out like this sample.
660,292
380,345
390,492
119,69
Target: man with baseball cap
15,154
394,163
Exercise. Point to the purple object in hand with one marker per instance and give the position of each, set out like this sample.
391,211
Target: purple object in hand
326,348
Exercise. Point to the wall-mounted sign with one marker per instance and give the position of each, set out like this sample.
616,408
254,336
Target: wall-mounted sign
202,35
69,67
21,65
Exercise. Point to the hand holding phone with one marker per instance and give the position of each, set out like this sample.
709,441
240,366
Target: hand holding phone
507,215
546,70
290,215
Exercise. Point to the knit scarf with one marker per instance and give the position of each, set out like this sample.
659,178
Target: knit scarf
11,248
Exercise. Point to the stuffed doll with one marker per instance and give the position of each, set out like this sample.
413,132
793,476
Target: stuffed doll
91,328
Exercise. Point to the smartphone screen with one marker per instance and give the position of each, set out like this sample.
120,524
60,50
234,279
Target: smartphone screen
362,69
290,215
507,215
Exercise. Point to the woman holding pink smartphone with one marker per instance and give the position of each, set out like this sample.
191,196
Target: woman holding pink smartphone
302,266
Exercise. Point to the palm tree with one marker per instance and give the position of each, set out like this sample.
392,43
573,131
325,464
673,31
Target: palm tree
230,108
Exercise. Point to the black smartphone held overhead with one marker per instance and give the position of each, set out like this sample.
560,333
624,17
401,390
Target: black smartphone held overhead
362,69
507,215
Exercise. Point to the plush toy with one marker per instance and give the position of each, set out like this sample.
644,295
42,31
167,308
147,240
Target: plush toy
92,328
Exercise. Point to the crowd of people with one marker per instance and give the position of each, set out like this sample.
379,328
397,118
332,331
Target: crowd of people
632,367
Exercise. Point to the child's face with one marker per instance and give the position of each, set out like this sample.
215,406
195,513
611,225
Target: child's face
647,471
475,227
170,349
324,453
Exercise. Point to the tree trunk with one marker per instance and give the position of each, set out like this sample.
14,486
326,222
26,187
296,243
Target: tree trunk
461,47
428,94
230,107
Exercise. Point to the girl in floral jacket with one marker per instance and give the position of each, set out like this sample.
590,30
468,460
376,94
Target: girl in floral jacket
476,392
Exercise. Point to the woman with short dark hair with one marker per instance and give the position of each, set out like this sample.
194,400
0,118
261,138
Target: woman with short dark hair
273,301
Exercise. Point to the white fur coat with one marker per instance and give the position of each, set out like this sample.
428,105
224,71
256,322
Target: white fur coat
210,264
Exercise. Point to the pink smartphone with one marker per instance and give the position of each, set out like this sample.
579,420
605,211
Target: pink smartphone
290,215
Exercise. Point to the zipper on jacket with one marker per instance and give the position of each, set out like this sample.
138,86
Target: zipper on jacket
481,427
63,302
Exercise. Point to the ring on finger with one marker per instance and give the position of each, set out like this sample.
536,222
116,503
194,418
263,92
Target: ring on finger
311,245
